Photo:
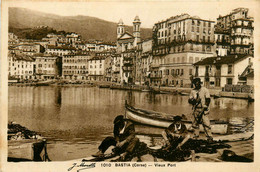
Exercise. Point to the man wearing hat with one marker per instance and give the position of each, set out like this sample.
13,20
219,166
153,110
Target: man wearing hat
200,100
176,134
124,138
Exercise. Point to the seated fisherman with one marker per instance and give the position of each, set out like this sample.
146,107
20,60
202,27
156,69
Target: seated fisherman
124,138
176,134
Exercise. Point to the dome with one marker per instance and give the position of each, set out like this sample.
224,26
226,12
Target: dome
137,19
120,22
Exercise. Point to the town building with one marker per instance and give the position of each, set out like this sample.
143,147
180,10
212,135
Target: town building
91,46
143,61
226,70
127,66
20,66
31,48
234,33
178,42
75,66
73,38
105,46
47,66
115,67
12,39
60,50
96,67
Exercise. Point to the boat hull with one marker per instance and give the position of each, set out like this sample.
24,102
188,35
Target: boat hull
154,119
25,150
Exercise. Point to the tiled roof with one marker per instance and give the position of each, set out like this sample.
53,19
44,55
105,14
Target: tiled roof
97,58
23,57
221,60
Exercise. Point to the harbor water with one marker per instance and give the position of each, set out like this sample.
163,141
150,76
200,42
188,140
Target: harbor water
76,119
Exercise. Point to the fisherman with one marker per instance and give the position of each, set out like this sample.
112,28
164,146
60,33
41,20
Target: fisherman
176,135
200,100
124,139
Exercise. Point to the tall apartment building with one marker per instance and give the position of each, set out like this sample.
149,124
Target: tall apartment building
96,66
234,33
75,66
143,60
21,66
47,66
178,42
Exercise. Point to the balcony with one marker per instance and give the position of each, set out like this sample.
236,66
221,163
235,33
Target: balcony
155,76
127,68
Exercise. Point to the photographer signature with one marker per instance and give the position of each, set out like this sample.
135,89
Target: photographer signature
82,166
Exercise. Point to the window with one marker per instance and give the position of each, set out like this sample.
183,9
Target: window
167,71
209,24
177,71
191,46
230,69
192,28
198,23
193,23
204,24
182,72
198,37
229,81
172,72
208,38
190,71
190,59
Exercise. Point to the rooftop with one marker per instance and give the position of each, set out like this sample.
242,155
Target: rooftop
221,60
61,47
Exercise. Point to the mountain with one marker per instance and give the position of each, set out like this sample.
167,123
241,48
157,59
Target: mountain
88,27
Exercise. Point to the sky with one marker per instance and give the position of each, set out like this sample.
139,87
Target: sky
149,12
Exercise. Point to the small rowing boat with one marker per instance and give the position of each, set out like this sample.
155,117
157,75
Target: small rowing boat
161,120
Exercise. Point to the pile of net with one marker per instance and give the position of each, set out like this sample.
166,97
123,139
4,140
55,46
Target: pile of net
18,132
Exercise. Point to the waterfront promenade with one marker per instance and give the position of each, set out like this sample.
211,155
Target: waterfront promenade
214,92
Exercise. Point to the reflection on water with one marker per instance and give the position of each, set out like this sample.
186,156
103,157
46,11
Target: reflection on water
83,116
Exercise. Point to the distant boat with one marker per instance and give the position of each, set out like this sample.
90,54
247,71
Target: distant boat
42,83
184,93
104,86
161,120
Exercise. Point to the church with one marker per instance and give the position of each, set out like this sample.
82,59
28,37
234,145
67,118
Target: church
126,40
126,46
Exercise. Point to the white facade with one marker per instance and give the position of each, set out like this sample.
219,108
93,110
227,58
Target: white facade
96,68
223,73
20,67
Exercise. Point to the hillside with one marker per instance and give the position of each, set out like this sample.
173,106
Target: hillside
88,27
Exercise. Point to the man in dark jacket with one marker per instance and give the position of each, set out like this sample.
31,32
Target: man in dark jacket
124,138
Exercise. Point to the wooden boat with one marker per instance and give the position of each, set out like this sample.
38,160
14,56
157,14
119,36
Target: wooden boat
161,120
26,150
